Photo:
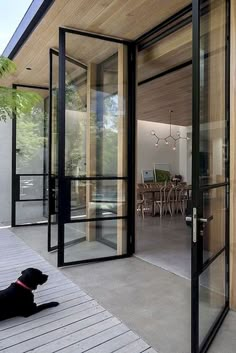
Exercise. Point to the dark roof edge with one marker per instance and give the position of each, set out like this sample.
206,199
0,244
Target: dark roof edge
31,19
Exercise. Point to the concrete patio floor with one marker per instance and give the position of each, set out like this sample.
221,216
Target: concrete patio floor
151,301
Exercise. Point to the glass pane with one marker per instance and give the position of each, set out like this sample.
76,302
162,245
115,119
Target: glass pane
211,295
88,240
32,187
54,230
214,205
97,199
159,57
96,108
76,120
212,94
31,139
30,212
54,116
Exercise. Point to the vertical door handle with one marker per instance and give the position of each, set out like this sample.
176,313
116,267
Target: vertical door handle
194,223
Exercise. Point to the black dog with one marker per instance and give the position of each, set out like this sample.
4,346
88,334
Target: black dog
18,299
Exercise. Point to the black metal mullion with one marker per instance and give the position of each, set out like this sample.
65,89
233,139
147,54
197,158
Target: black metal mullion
131,126
98,219
50,150
31,86
70,59
101,36
213,331
211,260
227,161
165,23
13,205
98,259
61,147
166,72
28,200
96,178
195,173
27,174
177,26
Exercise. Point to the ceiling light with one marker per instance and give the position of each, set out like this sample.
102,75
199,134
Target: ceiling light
175,139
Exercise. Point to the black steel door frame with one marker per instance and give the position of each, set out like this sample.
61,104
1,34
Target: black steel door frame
63,180
16,176
197,265
53,178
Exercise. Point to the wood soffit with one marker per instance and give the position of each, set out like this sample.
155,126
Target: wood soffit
126,19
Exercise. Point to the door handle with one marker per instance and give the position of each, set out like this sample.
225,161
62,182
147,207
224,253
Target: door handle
194,221
203,220
206,220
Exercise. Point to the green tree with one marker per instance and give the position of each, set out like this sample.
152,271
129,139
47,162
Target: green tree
27,106
12,100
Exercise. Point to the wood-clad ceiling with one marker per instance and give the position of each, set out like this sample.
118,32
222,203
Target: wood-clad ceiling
170,92
126,19
121,18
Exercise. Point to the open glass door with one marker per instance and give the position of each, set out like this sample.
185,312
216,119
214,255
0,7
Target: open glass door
210,157
53,151
95,160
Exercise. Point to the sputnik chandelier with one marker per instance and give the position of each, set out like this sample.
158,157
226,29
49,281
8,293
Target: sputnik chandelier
170,137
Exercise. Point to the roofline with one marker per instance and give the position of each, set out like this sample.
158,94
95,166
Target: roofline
29,22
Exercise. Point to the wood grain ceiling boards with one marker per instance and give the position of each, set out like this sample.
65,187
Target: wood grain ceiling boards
167,53
173,91
122,18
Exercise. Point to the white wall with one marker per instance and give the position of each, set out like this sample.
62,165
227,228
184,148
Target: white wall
5,170
148,154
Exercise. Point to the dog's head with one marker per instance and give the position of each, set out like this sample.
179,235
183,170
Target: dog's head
32,277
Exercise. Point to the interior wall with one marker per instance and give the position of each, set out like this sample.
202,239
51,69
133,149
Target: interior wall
148,154
5,174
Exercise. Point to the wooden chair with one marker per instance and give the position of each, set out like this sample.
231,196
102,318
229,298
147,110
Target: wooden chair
159,200
140,203
169,200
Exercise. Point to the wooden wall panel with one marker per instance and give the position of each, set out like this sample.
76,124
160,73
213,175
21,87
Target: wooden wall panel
233,159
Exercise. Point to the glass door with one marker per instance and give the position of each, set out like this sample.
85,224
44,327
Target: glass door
53,151
29,160
95,150
210,167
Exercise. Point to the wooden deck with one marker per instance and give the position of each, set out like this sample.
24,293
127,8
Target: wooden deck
79,324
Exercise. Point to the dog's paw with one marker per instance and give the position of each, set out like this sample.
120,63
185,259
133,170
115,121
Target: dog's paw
53,304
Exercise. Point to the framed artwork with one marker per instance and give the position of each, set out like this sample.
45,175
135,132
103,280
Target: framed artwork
147,176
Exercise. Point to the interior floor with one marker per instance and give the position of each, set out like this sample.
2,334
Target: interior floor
165,242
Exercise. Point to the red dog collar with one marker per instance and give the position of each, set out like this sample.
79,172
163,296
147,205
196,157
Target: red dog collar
23,285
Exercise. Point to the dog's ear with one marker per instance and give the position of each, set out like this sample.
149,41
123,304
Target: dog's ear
22,272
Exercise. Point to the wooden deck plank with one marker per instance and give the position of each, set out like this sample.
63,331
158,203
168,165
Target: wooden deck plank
50,323
115,343
64,336
50,332
137,346
79,342
62,309
77,325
